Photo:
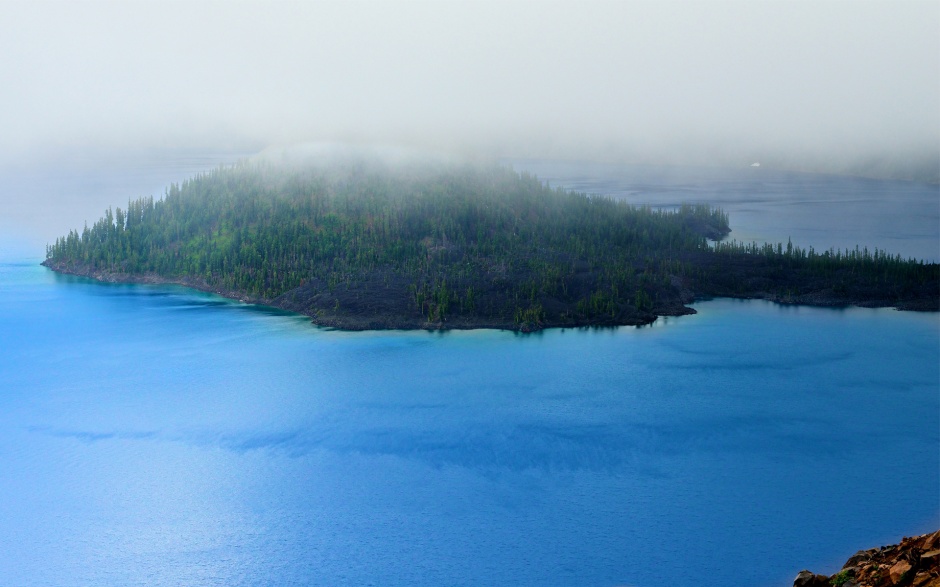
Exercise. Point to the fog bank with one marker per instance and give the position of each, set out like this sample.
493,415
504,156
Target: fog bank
837,86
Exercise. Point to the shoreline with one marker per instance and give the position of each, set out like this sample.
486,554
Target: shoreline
913,562
348,323
376,322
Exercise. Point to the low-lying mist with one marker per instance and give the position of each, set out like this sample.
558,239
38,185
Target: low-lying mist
825,86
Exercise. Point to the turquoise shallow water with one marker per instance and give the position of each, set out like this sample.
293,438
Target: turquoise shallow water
161,436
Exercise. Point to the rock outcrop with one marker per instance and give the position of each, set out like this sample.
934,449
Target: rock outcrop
915,562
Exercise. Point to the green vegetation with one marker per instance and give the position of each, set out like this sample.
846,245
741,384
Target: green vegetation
361,245
840,578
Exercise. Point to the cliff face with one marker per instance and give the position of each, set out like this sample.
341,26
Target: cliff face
915,562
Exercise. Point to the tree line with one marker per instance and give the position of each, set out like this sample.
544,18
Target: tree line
456,239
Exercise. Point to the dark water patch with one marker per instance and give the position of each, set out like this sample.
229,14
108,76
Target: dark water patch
87,436
735,364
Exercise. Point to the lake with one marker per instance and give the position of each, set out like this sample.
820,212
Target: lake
155,435
766,205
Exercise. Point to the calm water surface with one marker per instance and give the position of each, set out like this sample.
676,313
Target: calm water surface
766,205
161,436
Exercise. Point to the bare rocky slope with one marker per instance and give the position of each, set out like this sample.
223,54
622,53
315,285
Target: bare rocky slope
915,562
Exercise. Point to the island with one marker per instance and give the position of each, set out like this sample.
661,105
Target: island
364,243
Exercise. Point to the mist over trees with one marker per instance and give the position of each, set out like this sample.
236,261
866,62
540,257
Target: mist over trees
446,243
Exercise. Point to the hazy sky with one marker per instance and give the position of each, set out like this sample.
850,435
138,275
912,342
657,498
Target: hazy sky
682,80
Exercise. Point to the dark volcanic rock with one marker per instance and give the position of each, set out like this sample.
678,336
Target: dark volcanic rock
382,300
807,579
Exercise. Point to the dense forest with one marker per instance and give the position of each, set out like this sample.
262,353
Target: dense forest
362,244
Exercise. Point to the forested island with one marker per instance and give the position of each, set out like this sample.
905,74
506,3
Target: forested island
361,244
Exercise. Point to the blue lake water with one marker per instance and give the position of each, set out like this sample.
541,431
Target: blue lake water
154,435
767,205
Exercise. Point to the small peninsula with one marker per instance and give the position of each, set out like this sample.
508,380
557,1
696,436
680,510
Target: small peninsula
362,244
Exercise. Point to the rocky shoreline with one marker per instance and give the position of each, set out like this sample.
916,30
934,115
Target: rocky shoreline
374,306
363,309
915,562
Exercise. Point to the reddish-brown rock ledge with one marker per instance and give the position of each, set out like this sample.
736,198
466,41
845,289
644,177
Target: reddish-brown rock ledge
915,562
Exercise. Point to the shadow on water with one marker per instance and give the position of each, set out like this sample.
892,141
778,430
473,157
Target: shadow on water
89,436
638,447
176,296
17,264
